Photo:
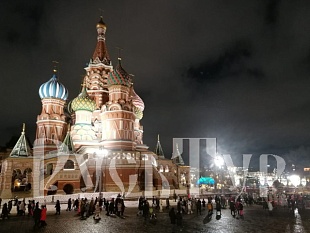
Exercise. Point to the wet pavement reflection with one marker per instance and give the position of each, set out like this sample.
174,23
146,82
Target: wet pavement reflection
256,219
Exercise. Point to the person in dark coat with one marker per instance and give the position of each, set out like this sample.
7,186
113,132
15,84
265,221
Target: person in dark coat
146,209
107,207
111,207
179,219
173,218
198,206
218,208
37,215
175,197
10,206
69,204
57,206
5,211
203,203
233,208
167,203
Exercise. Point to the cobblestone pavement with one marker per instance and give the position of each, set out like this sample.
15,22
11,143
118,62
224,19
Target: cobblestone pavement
255,220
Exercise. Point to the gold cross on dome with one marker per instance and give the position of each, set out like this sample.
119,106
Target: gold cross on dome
119,50
101,10
55,66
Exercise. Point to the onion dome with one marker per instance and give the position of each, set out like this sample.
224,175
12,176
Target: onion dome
119,76
136,100
101,24
53,89
83,102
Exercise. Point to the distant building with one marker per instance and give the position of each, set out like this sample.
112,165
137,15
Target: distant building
91,143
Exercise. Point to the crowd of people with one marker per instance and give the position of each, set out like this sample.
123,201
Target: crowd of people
86,208
146,209
33,210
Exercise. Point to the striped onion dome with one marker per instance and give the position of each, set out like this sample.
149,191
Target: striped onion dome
119,76
83,102
136,100
53,89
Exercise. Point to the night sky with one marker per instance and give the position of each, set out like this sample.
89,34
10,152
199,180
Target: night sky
238,71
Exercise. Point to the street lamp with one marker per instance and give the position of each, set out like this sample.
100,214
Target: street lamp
295,180
219,162
100,156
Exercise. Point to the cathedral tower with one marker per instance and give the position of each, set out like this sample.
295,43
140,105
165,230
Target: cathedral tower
51,123
117,115
98,68
83,106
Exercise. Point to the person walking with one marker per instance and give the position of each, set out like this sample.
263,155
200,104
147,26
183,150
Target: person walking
232,206
122,208
97,212
172,217
10,206
146,209
57,206
167,203
22,208
43,216
36,216
5,211
107,208
210,208
203,204
241,210
218,208
179,220
69,203
175,197
198,207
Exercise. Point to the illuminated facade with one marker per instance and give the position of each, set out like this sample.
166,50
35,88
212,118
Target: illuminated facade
92,143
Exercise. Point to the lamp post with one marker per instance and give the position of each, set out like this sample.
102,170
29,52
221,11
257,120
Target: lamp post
295,181
100,156
219,162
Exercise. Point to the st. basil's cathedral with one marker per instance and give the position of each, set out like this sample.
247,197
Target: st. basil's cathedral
93,143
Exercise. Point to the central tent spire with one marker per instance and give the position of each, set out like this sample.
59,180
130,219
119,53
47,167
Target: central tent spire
101,54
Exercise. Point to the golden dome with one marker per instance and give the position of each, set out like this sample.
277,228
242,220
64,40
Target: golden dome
101,24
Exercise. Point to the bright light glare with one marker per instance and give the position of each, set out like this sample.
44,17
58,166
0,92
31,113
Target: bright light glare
218,161
103,153
295,180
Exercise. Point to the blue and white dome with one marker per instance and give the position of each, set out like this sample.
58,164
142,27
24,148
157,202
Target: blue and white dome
53,89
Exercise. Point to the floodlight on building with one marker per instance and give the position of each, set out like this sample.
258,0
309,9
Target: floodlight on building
295,180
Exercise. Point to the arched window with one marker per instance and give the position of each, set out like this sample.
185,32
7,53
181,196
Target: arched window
166,168
27,171
49,169
161,168
69,164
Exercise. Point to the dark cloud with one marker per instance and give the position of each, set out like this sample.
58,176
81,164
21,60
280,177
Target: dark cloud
272,11
228,65
21,27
